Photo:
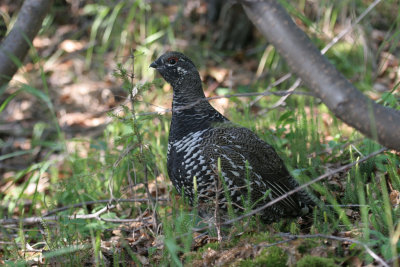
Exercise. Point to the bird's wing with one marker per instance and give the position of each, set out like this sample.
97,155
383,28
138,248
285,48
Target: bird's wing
246,158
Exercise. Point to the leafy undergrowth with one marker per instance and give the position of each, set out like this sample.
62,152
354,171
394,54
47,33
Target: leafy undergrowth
146,223
84,141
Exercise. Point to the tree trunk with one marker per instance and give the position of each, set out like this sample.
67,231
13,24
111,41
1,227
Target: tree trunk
231,26
16,45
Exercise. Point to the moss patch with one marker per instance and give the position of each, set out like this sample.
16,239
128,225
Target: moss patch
273,256
310,261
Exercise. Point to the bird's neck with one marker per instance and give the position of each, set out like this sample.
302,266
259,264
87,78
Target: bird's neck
187,91
191,111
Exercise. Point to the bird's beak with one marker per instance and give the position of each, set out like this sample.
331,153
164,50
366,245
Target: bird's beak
153,65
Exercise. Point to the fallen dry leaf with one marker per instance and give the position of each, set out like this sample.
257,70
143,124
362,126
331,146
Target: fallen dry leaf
71,45
394,198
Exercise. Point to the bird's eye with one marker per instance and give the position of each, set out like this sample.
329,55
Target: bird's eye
172,60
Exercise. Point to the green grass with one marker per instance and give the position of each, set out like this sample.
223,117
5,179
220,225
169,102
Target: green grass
132,150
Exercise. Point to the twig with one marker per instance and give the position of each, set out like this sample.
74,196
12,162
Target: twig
281,100
272,85
342,239
35,220
319,178
276,243
96,215
278,93
6,243
127,220
290,91
78,205
115,110
350,27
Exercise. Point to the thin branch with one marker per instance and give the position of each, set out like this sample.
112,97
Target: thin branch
278,93
289,91
350,27
276,243
96,215
128,220
35,220
323,51
272,85
78,205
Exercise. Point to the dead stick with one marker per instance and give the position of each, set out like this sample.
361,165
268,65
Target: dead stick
78,205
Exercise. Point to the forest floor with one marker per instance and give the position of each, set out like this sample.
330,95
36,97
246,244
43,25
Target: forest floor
83,175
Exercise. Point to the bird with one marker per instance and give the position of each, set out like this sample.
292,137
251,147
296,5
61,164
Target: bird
211,160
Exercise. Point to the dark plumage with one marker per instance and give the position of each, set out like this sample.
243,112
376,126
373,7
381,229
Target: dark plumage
200,136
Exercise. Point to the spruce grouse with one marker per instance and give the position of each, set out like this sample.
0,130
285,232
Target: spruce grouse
210,158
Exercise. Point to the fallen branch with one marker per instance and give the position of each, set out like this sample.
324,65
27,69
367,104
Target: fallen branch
35,220
96,215
78,205
47,219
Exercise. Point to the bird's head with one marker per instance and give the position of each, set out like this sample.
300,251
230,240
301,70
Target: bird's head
175,67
